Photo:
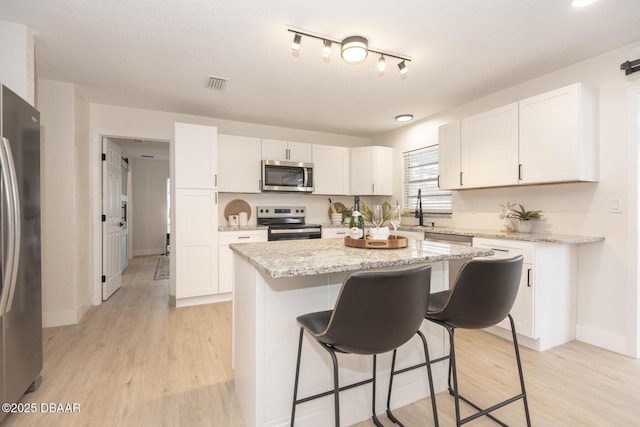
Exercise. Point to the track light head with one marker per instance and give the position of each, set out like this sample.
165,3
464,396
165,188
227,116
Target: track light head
403,68
326,50
381,64
296,42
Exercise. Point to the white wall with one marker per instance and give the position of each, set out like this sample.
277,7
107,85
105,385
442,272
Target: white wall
17,65
148,204
66,241
606,276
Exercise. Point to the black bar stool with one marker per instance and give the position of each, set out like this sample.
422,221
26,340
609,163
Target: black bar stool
482,296
376,311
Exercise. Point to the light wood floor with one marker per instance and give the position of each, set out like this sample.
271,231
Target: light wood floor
133,361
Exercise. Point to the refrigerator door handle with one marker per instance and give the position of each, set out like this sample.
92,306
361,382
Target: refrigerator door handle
8,262
17,224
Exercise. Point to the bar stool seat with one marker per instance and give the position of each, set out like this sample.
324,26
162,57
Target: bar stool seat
376,311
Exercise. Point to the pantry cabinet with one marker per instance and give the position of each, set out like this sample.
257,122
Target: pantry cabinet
372,171
273,149
545,308
330,169
334,232
557,136
489,148
240,170
194,225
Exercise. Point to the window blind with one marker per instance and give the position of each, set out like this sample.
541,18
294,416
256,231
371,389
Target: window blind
421,172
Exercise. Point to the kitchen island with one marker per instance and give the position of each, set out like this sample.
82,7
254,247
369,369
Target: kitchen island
274,282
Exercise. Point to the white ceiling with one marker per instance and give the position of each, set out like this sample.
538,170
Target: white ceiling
156,54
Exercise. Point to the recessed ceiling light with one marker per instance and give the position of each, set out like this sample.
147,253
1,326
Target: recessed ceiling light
404,118
582,3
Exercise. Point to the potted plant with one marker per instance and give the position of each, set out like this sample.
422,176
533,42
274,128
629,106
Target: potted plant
523,218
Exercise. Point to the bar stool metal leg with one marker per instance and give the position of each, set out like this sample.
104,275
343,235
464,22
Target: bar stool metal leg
295,384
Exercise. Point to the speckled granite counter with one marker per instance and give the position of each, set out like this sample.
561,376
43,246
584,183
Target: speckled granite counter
320,256
492,234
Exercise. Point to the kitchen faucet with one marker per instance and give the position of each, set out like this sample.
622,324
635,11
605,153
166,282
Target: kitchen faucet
418,213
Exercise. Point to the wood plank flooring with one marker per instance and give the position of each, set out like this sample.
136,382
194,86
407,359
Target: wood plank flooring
134,361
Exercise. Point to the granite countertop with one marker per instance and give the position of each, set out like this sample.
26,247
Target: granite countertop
492,234
291,258
242,228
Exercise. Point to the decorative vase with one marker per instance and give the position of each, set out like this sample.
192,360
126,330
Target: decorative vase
524,226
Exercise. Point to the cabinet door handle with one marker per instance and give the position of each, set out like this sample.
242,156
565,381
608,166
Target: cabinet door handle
216,197
215,180
438,181
520,172
373,188
244,237
461,179
529,279
500,250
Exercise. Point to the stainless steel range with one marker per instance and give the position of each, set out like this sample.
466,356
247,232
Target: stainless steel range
287,223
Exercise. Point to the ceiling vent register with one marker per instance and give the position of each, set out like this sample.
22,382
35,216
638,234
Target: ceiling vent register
217,83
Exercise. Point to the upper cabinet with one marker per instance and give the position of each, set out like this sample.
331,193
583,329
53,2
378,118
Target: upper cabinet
273,149
330,169
489,148
449,156
557,136
542,139
239,170
195,156
372,171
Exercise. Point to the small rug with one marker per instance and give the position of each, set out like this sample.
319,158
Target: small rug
162,268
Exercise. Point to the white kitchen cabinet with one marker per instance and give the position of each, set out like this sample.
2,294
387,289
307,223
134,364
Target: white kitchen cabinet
239,170
449,156
489,148
194,225
334,232
557,136
545,309
330,169
273,149
372,171
196,248
225,254
195,156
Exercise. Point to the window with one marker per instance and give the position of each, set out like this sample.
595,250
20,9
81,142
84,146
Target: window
421,173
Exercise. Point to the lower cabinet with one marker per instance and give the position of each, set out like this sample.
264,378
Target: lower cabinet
225,254
545,309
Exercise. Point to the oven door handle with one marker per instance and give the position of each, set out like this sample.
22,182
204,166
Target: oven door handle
296,231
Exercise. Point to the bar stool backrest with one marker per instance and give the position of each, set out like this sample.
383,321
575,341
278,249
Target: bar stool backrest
378,310
483,294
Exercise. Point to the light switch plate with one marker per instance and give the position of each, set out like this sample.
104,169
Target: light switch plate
615,205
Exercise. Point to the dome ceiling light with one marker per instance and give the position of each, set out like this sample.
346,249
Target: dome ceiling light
353,50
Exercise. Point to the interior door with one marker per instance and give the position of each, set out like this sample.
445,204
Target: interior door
112,221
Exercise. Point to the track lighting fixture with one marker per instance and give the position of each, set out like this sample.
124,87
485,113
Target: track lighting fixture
381,64
296,42
353,50
403,68
326,51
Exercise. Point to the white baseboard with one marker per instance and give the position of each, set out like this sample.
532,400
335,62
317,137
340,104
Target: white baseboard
152,251
206,299
601,338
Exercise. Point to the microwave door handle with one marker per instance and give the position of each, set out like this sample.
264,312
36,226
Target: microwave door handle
305,182
17,225
7,263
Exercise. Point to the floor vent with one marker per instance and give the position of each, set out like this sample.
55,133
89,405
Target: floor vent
217,83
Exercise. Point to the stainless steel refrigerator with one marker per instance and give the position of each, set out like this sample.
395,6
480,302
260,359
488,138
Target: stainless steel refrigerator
20,264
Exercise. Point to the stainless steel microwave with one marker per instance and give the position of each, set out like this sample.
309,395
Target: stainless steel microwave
278,175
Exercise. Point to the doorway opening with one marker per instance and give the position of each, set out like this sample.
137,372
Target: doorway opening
147,161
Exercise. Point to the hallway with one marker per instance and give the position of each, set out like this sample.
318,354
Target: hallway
134,361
